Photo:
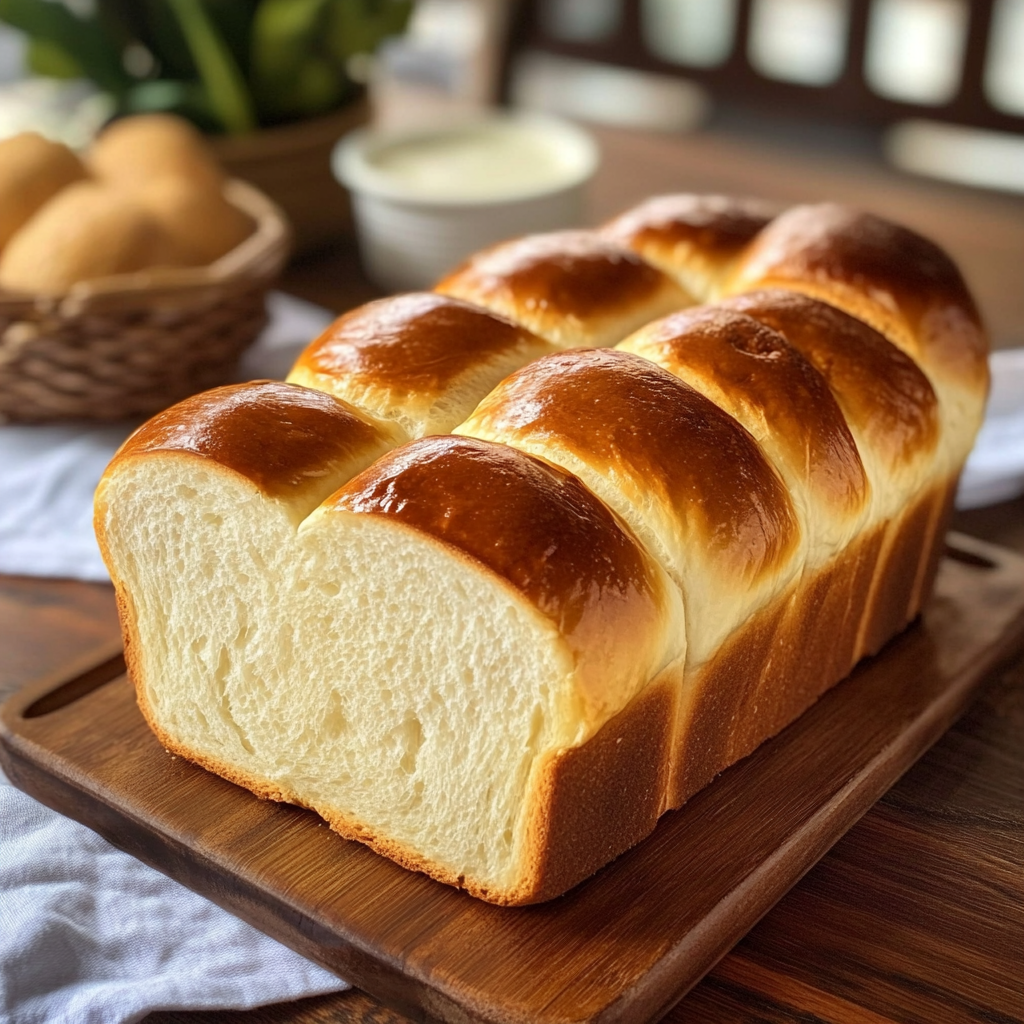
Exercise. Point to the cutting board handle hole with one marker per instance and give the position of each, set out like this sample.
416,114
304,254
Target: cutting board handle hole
74,689
969,558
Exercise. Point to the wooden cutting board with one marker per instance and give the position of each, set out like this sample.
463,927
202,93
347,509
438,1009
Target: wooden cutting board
623,946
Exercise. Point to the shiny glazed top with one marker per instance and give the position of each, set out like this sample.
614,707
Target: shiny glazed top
758,377
419,342
879,272
716,226
628,417
282,437
573,274
530,523
880,388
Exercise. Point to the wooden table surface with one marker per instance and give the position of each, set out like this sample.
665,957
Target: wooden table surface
917,914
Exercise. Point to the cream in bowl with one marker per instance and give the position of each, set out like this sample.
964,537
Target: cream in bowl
423,201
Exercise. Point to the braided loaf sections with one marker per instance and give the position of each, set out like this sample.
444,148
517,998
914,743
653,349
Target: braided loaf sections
508,569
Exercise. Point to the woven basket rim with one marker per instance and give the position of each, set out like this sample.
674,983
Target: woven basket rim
257,258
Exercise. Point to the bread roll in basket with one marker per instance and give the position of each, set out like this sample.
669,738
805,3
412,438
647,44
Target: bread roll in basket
129,344
509,569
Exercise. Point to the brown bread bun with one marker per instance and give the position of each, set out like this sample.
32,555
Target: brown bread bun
135,151
32,169
86,231
200,224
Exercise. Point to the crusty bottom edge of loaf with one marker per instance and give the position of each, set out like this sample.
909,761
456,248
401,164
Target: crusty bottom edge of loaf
594,802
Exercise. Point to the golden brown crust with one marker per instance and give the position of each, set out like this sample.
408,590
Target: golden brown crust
813,647
567,277
906,566
417,343
710,224
716,693
596,801
758,377
532,524
693,237
773,668
630,419
282,437
900,283
934,547
879,387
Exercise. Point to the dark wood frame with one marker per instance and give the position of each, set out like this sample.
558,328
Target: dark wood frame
849,98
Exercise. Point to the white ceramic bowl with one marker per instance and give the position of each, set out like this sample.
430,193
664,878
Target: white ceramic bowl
425,200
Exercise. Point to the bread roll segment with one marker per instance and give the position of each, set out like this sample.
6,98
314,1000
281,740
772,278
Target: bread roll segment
894,280
804,642
620,423
574,288
893,414
696,240
908,289
546,620
498,656
87,230
421,361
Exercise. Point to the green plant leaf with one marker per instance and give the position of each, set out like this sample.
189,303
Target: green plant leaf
160,31
284,34
47,58
234,19
319,86
226,90
358,26
83,39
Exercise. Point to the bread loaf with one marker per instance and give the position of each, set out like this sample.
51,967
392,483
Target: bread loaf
498,655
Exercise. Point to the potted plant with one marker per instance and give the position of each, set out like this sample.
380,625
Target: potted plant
275,82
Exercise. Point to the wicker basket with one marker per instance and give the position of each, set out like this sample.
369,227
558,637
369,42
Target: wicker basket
130,345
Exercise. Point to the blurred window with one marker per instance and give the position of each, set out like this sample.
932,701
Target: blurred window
957,153
449,25
915,49
581,21
1004,73
606,94
698,33
802,41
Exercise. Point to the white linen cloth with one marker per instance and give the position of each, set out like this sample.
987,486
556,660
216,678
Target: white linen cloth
88,934
995,470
